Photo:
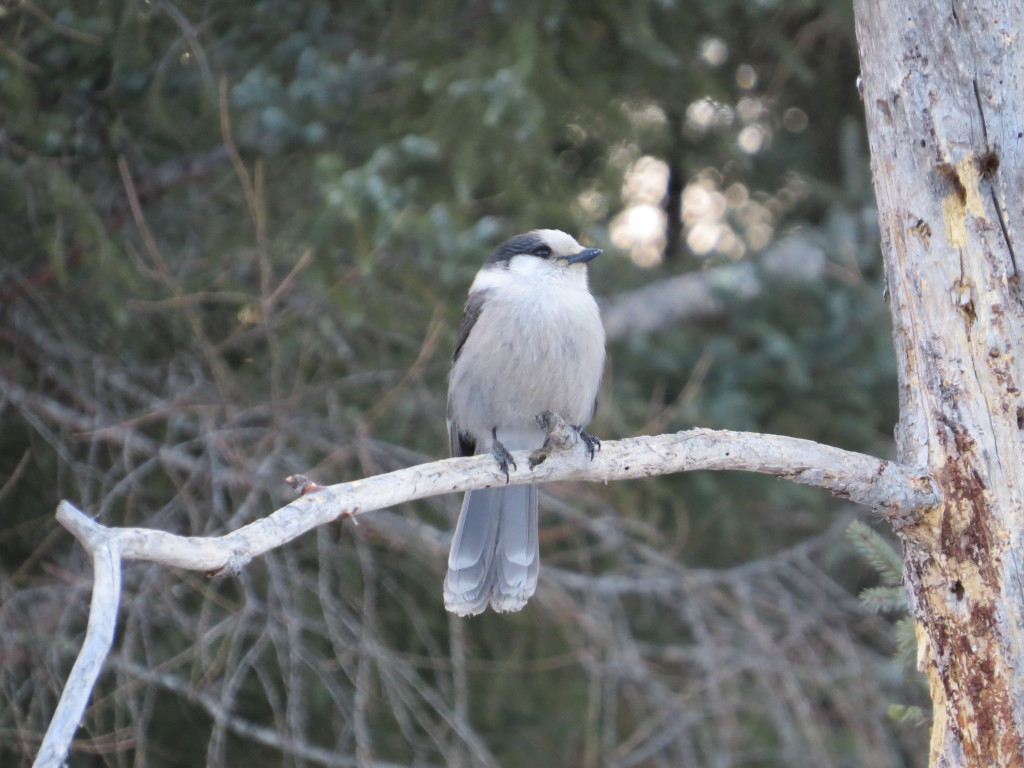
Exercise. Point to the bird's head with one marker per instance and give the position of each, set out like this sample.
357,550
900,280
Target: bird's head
542,250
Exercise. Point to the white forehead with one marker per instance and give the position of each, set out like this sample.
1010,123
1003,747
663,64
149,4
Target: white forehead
559,242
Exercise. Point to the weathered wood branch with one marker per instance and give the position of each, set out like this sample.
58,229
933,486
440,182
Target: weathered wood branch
879,484
885,486
101,544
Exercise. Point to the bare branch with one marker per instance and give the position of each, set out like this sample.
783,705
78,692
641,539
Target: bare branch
877,483
99,637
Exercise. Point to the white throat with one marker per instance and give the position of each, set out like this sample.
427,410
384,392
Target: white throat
525,271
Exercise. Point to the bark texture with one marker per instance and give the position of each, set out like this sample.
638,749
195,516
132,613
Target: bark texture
943,89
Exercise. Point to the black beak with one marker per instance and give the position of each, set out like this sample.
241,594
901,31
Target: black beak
585,255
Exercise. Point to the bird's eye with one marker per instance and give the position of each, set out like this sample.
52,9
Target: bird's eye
542,250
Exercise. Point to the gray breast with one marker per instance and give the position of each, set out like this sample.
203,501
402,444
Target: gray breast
517,364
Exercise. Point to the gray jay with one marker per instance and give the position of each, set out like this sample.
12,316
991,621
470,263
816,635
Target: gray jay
531,341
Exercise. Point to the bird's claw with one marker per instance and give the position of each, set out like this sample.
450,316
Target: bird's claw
504,459
561,435
539,456
593,444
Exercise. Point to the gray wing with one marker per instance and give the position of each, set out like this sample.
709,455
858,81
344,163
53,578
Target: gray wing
460,444
474,306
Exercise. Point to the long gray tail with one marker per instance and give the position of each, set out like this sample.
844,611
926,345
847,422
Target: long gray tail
495,556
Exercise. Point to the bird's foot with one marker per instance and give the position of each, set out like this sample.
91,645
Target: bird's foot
561,436
539,456
503,457
593,444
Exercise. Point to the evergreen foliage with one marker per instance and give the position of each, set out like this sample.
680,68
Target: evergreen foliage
890,597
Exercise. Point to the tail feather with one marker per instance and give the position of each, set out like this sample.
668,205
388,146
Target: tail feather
495,555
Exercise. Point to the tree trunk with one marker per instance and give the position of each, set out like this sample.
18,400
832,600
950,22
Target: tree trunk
943,88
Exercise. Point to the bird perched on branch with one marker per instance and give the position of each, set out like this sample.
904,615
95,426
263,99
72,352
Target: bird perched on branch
531,341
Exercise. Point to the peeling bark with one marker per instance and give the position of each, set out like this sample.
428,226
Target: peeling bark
943,86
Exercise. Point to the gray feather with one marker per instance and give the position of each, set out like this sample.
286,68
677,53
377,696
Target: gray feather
495,555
